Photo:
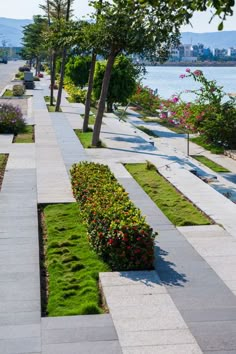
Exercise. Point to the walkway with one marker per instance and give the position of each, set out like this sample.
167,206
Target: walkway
189,307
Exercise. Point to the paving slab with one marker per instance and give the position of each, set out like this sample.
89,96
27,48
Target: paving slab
143,312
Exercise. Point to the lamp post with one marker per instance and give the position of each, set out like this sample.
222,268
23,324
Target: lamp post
188,144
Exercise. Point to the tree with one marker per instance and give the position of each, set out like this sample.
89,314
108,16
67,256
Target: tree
77,70
221,8
95,51
122,83
64,55
146,30
33,43
55,11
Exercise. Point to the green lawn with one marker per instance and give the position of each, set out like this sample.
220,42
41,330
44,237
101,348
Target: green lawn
27,136
92,119
8,93
3,162
71,264
47,99
174,205
214,149
51,109
209,163
147,131
86,138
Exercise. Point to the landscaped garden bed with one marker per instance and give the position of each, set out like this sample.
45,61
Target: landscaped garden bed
3,163
147,131
211,164
179,210
70,267
86,138
27,136
117,230
52,109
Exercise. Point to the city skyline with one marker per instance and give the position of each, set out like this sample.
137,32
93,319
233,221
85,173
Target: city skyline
25,9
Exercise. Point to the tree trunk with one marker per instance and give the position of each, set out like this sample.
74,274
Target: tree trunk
109,107
102,100
53,72
89,92
63,63
36,66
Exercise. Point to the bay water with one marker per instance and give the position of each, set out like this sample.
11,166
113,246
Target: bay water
168,82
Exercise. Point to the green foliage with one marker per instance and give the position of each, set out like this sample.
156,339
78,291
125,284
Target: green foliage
146,98
117,231
18,90
213,148
174,205
72,265
77,70
11,119
211,164
77,95
20,75
122,83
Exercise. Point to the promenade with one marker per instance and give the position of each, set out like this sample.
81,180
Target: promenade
186,305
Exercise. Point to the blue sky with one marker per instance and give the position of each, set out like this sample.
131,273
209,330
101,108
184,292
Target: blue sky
28,8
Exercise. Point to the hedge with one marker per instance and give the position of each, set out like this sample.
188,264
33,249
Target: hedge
117,231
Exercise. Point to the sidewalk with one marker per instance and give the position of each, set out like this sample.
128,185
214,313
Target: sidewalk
189,307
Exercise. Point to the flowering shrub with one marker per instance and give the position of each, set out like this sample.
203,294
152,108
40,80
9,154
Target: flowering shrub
146,98
11,119
117,231
40,75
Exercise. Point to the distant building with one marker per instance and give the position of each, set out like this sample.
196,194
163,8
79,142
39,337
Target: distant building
231,52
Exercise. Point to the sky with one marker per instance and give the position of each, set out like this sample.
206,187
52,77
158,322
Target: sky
25,9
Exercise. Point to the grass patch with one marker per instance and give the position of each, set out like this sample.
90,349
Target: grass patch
8,93
147,131
26,137
86,139
47,99
3,163
214,149
92,119
179,210
51,109
209,163
71,264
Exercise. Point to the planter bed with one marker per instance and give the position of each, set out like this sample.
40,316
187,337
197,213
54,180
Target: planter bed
26,137
179,210
3,163
86,139
69,267
210,164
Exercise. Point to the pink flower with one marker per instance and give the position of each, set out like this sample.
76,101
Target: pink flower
197,72
187,70
182,76
175,99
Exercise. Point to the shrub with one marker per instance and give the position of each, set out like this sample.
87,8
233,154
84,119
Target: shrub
55,87
76,94
18,90
11,119
40,75
117,230
20,76
24,68
36,78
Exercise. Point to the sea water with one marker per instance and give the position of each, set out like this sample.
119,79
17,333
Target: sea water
168,82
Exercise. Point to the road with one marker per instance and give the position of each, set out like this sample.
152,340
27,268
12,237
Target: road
7,72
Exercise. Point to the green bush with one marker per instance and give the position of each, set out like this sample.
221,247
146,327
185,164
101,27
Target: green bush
20,76
36,78
77,95
18,90
117,230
